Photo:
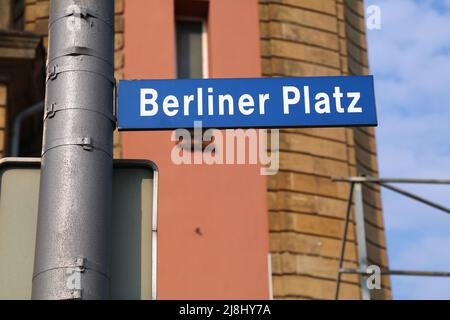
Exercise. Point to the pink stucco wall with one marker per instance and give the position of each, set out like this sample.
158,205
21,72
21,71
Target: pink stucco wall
213,222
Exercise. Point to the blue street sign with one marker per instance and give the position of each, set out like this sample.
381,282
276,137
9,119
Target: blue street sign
246,103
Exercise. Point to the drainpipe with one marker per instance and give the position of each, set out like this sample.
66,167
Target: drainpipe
72,247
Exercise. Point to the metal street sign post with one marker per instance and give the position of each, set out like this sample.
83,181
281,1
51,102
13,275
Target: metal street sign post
246,103
77,154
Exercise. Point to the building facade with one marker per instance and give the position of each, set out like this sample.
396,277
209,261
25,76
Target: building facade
225,231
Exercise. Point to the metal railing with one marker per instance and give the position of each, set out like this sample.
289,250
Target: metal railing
356,193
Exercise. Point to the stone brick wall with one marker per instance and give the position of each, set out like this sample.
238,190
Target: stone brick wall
120,7
5,14
307,209
36,20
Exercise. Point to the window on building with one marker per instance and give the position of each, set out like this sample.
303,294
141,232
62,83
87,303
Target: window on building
18,14
192,58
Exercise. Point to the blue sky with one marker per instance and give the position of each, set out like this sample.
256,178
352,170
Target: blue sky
410,59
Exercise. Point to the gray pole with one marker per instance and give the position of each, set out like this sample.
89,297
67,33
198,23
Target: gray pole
72,246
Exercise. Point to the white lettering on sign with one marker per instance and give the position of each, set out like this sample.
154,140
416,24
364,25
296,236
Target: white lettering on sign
323,103
170,106
353,108
246,104
145,101
338,95
287,102
295,99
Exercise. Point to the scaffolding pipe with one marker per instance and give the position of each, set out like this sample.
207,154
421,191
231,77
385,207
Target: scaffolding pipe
416,197
398,272
361,238
72,246
344,241
356,184
390,180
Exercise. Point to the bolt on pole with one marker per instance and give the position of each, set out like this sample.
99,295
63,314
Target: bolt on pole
72,245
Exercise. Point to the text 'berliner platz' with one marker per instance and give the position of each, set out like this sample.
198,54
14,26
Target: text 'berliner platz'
246,103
